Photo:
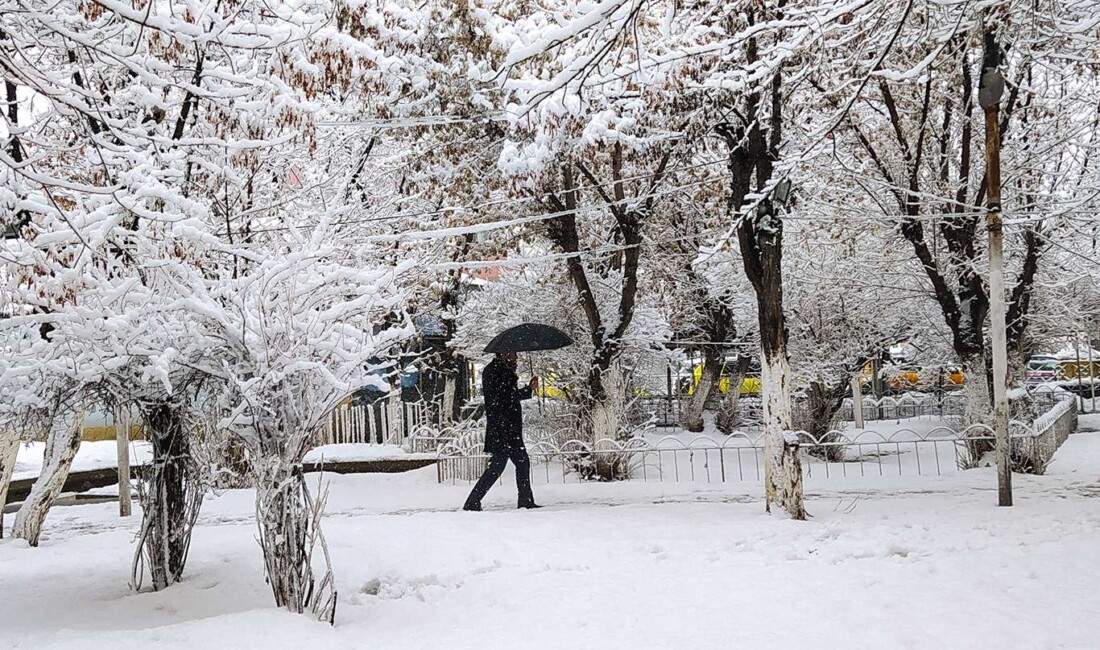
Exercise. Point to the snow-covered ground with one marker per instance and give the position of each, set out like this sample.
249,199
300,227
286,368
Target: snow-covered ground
358,452
912,562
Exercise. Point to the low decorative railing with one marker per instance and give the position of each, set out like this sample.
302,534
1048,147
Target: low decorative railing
1052,428
931,405
738,457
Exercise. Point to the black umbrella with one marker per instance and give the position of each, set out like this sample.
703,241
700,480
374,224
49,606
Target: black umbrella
528,337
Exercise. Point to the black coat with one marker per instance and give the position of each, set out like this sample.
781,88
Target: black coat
503,411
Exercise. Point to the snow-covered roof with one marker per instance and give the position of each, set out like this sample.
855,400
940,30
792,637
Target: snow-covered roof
1070,352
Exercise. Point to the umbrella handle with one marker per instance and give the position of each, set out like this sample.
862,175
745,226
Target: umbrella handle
531,366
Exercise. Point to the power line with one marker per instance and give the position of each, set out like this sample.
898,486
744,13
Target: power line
1068,250
475,207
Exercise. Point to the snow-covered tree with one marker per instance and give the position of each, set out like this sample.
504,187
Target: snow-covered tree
299,330
915,143
146,149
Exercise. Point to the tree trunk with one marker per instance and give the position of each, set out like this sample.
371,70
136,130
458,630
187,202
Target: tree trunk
761,241
979,410
608,406
289,523
9,451
170,500
819,418
692,416
602,417
979,402
729,413
61,447
450,384
782,463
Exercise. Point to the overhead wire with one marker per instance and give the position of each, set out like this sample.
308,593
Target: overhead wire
415,235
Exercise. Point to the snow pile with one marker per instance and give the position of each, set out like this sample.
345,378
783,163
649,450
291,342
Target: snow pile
101,454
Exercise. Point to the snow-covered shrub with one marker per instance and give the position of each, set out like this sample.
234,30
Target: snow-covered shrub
299,331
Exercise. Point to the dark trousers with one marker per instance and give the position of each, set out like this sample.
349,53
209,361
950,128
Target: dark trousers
493,472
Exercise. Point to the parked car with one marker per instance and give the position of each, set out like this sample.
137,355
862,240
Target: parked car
553,386
1041,371
899,379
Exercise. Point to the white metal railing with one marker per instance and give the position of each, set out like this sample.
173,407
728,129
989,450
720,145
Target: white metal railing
1051,430
739,457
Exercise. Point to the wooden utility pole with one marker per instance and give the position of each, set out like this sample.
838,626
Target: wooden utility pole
1092,378
857,402
876,384
990,89
122,440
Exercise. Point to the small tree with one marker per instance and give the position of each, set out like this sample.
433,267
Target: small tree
299,331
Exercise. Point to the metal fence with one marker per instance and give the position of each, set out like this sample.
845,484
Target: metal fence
1051,430
931,405
739,457
935,451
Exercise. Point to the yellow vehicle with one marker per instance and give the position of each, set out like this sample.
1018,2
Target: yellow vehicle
913,378
552,387
548,388
749,385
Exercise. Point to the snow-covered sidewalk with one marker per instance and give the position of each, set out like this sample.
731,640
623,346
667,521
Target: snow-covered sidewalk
918,563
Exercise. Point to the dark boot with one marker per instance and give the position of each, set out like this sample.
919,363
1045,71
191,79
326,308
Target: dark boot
493,470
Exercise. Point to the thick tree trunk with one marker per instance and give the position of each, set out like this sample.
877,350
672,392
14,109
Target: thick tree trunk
692,416
61,447
819,417
9,451
979,401
289,523
603,417
782,463
979,410
761,239
729,413
608,407
170,500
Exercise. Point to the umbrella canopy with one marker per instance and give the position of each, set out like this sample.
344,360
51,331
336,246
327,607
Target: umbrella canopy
528,337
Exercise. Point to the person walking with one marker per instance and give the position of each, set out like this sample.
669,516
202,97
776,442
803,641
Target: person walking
504,430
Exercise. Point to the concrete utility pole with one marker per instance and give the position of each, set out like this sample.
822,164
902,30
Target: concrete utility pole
990,89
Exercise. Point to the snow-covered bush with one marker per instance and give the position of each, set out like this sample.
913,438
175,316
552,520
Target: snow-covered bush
298,331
